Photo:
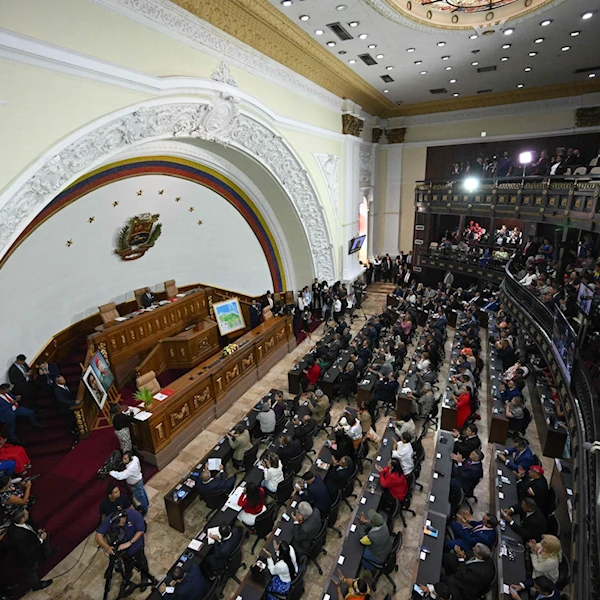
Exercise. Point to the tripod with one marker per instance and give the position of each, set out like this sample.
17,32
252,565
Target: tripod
116,562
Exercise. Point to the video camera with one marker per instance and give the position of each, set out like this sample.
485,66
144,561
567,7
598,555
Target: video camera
113,463
115,535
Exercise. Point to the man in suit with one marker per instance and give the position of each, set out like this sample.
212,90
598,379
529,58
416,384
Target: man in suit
315,491
65,400
469,578
517,457
533,522
318,404
307,524
147,298
466,474
31,546
534,485
338,475
255,312
467,441
189,583
529,249
345,382
21,377
10,410
289,448
211,485
543,589
225,544
468,532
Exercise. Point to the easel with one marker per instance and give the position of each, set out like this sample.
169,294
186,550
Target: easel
103,419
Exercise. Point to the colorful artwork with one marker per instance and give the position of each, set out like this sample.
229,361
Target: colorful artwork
228,315
102,371
94,387
137,236
465,5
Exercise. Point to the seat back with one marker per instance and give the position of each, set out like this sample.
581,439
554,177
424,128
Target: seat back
553,501
564,573
334,510
595,171
390,561
171,288
295,464
215,500
108,312
267,313
318,542
297,586
212,593
250,457
149,382
580,171
350,485
285,488
234,562
536,460
265,521
526,418
138,296
553,526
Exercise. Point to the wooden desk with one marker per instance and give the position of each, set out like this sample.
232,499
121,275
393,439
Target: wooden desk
563,484
208,390
365,389
126,342
553,435
496,408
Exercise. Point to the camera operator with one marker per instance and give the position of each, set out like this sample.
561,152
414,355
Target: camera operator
123,531
358,293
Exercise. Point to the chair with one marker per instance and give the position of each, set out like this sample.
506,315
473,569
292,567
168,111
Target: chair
553,526
309,442
267,313
214,501
536,460
405,504
233,565
138,296
171,288
553,502
333,514
349,489
264,524
493,584
318,547
249,459
431,421
108,312
580,171
295,464
297,586
389,565
564,573
326,425
214,590
149,382
457,498
361,455
418,460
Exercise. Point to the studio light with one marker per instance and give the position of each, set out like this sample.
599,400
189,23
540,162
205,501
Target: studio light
471,184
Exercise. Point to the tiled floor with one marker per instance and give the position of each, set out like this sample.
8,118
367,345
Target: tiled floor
163,544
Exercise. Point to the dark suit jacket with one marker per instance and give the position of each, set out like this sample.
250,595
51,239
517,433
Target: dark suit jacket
468,475
471,580
318,496
386,390
193,587
305,532
467,445
16,376
336,479
216,484
532,527
26,544
64,397
472,537
286,453
217,558
147,299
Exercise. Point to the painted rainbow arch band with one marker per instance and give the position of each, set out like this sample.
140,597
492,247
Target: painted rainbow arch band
173,167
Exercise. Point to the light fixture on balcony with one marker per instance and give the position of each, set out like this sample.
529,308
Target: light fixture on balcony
471,184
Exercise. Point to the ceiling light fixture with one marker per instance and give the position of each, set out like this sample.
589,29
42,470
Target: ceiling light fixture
331,44
410,49
341,7
455,94
587,15
418,62
441,44
546,22
342,52
372,46
448,68
520,85
386,91
389,68
453,81
352,61
474,64
506,46
539,40
304,17
319,32
565,48
527,69
533,54
445,57
286,2
575,33
592,75
423,72
504,58
363,36
509,31
473,37
354,23
379,56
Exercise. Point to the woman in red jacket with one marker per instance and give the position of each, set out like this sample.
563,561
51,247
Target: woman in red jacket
394,483
252,502
463,407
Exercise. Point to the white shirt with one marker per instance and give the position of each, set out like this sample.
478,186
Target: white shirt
528,279
355,431
273,477
281,569
9,400
301,303
132,473
404,453
337,306
25,526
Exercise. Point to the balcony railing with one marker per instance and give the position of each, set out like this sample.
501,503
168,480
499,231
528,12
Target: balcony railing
583,420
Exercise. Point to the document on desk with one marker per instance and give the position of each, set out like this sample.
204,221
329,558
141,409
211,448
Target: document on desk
214,464
232,501
160,396
143,415
119,319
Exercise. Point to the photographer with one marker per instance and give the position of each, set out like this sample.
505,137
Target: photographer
123,531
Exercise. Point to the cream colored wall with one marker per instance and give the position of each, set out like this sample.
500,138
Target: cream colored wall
85,27
379,204
413,169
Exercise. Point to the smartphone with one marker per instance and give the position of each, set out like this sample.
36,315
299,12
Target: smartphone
419,591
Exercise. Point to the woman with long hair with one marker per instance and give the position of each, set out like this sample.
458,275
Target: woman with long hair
252,502
283,568
273,472
393,482
545,560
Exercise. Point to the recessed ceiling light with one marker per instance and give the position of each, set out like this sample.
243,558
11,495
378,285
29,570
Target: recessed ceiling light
286,2
372,46
527,69
445,57
440,44
455,94
390,68
341,7
546,22
587,15
423,72
410,49
418,62
386,91
533,54
473,37
575,33
520,85
354,23
565,48
379,56
539,40
304,17
342,52
509,31
448,68
363,36
504,58
474,64
331,44
319,32
352,61
453,81
506,46
592,75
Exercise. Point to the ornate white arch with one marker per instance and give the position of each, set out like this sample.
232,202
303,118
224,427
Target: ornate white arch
215,119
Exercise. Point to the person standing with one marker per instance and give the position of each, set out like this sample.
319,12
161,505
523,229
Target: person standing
113,501
132,474
21,376
121,423
240,443
65,400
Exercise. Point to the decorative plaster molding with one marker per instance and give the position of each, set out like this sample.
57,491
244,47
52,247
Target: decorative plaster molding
180,24
223,75
587,117
352,125
216,120
366,169
396,135
330,168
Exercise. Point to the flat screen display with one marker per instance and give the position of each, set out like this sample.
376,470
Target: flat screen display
356,244
563,343
585,298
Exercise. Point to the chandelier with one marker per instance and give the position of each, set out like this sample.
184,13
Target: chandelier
466,6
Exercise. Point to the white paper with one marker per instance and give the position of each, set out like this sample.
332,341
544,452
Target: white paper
569,491
143,415
326,597
341,560
500,472
423,556
214,464
195,545
363,500
232,501
169,589
378,458
132,410
294,504
431,498
438,455
277,531
505,589
353,528
160,396
501,495
120,319
435,475
180,296
371,478
212,531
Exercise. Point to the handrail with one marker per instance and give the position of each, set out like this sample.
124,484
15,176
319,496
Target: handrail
584,426
587,177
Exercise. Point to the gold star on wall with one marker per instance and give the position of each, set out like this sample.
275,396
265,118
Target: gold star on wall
115,203
161,192
200,222
69,243
91,219
140,192
177,199
191,209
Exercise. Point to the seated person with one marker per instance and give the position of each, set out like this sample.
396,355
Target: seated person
16,454
279,405
463,406
113,501
189,583
438,590
240,443
468,532
393,481
338,475
406,424
252,502
318,405
345,381
342,446
307,524
533,484
310,375
386,390
509,390
423,404
515,412
358,589
533,522
545,560
147,298
289,448
376,539
225,543
273,470
13,495
469,578
266,419
283,568
542,586
466,474
211,485
467,441
403,451
10,410
520,455
353,429
315,492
